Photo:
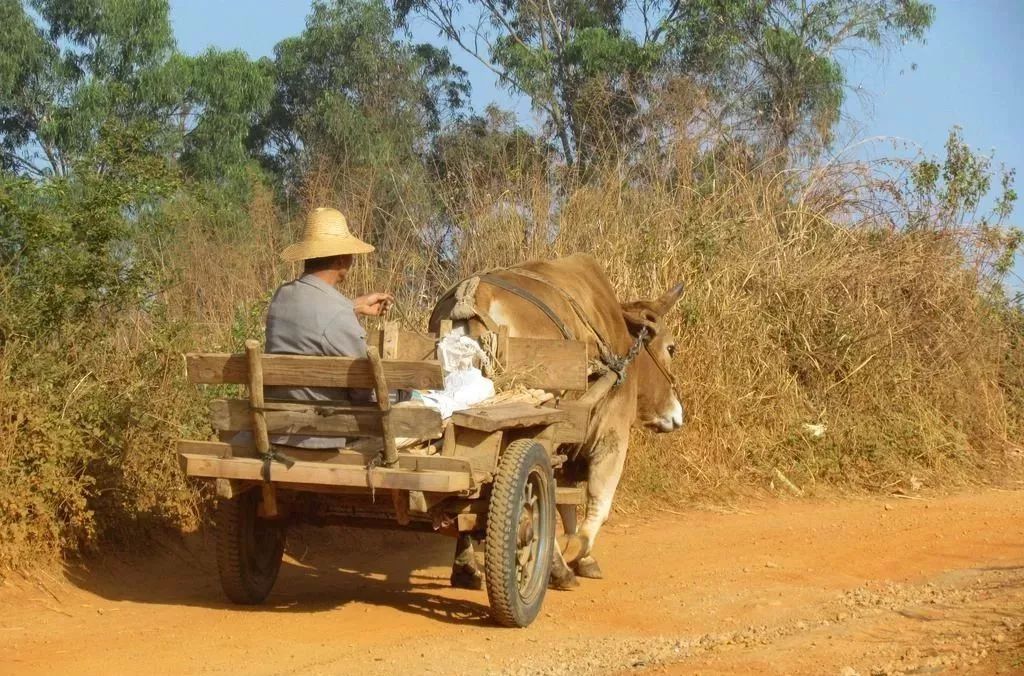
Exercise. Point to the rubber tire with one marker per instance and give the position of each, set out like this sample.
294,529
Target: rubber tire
519,460
249,549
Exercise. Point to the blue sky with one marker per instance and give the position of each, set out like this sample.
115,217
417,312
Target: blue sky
969,73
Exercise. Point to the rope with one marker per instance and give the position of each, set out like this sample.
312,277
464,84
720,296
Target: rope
376,461
271,456
618,365
465,297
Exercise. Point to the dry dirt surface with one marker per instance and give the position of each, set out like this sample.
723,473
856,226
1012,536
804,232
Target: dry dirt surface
841,587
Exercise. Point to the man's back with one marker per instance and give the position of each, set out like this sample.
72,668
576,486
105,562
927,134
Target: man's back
308,316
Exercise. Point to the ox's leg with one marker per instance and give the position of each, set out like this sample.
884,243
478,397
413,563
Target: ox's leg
465,574
562,576
603,476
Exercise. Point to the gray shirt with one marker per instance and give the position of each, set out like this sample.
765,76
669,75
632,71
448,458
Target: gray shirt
308,316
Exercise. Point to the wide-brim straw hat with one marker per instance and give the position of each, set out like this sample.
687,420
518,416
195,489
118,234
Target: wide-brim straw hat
326,234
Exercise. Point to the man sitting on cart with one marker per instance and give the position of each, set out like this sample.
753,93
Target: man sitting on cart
310,316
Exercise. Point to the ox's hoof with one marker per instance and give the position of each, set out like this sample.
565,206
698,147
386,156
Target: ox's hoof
587,567
465,576
571,546
563,581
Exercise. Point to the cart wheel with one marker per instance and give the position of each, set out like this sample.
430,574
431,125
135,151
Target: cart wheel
520,533
249,549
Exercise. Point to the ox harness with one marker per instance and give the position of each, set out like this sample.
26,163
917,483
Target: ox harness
465,308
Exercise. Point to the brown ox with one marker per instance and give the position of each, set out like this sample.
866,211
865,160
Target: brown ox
646,396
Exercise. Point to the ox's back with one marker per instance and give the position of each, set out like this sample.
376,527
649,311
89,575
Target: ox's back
579,277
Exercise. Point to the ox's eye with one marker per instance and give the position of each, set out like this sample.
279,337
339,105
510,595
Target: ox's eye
671,350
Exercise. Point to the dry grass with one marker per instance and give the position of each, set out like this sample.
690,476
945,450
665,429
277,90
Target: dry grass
885,337
804,305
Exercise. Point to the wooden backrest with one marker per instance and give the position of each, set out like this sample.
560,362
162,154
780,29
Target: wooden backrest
327,419
533,362
300,371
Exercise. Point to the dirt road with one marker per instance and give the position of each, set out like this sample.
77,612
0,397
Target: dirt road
827,587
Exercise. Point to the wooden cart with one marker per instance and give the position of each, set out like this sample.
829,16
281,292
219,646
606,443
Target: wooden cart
493,472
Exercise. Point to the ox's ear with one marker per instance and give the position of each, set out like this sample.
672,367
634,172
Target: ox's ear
640,314
668,299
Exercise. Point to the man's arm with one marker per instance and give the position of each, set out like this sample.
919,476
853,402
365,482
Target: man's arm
344,337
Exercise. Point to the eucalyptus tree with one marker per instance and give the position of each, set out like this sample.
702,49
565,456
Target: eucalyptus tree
778,68
347,88
101,120
774,68
69,68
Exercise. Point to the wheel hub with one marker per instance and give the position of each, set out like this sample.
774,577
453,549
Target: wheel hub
525,530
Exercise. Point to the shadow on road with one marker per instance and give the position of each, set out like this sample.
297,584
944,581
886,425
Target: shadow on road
324,569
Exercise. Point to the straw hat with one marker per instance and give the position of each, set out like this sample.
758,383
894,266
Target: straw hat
326,234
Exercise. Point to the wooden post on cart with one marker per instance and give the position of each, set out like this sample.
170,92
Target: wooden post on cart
254,355
380,387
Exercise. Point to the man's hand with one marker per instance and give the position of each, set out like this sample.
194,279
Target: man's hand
373,304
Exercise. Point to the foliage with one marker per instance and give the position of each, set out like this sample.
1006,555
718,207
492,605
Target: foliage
87,431
347,88
144,195
557,54
73,67
772,65
65,244
775,65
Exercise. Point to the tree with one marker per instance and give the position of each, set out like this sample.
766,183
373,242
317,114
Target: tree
99,119
69,67
776,66
773,65
575,60
347,89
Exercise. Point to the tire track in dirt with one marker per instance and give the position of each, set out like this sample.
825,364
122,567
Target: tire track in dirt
845,586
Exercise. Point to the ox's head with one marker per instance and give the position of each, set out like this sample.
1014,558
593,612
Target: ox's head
658,404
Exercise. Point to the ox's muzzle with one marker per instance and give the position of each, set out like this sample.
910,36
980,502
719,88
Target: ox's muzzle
671,419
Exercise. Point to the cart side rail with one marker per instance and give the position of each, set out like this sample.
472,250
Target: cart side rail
303,371
219,460
326,419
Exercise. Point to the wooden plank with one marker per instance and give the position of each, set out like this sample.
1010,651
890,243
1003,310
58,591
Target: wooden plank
255,384
505,416
480,448
295,370
328,420
501,349
571,495
573,429
596,392
448,442
416,346
335,456
547,364
324,474
411,345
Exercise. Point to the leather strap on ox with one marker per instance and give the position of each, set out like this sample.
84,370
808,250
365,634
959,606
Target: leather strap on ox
614,362
494,280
